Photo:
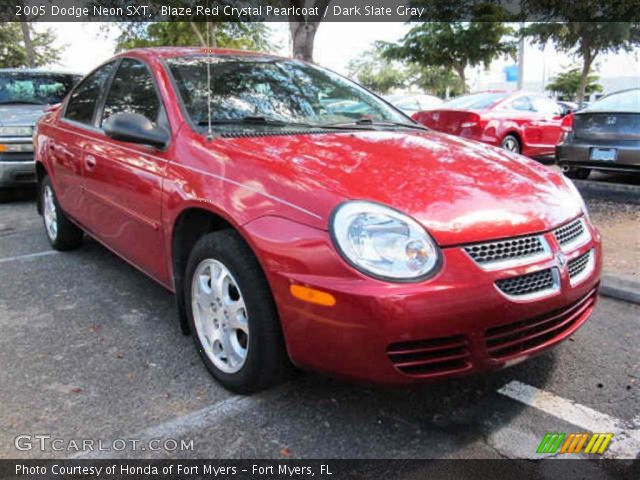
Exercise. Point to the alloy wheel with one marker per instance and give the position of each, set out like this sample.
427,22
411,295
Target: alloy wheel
510,144
220,316
50,213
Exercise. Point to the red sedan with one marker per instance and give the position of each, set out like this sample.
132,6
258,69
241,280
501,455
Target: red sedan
295,231
522,122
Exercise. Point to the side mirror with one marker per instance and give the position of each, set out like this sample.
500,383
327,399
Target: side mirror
135,128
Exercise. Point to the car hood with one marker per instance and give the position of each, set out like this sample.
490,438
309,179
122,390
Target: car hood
461,191
20,114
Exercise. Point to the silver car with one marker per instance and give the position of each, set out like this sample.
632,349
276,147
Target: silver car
24,94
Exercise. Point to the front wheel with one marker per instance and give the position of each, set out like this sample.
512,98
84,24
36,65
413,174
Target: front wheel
61,232
232,314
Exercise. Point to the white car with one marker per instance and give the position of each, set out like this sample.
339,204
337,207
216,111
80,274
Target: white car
412,103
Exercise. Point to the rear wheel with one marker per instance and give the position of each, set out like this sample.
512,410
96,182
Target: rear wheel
578,173
510,142
61,232
232,315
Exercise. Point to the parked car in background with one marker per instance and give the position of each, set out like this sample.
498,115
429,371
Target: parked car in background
413,103
366,248
523,122
24,95
569,107
604,136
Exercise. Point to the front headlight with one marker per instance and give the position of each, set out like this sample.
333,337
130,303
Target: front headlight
382,242
16,131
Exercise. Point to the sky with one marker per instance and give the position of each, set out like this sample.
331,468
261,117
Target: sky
338,42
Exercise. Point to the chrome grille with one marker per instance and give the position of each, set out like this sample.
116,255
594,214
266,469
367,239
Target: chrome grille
579,264
501,251
570,233
531,284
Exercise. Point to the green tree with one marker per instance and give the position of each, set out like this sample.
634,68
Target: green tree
586,40
567,84
454,45
439,81
13,50
376,73
246,36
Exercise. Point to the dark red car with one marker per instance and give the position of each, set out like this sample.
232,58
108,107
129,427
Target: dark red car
293,230
522,122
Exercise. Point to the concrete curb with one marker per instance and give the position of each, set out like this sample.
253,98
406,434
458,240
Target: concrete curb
611,191
620,287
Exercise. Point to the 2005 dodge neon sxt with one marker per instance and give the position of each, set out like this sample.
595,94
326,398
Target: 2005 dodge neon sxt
302,220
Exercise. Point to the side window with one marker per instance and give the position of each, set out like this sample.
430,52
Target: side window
133,91
546,106
522,104
83,100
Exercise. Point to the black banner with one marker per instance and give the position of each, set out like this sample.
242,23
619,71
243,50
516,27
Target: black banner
318,469
319,10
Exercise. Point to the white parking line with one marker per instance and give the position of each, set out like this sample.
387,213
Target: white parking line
187,424
626,438
28,256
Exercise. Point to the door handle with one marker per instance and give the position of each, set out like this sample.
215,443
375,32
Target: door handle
90,162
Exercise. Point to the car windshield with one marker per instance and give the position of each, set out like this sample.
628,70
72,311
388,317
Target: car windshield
474,101
628,101
275,90
34,88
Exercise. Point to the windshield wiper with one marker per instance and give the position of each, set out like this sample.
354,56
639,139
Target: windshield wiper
255,120
273,122
381,123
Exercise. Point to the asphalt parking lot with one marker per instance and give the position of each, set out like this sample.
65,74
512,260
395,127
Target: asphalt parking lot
91,348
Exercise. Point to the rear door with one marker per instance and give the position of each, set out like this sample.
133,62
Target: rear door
123,181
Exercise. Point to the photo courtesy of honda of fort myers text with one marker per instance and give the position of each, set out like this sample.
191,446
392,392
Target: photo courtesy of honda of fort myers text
323,238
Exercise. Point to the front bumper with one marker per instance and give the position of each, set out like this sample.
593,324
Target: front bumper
455,323
17,169
577,154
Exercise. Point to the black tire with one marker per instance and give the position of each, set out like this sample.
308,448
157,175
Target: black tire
67,235
578,173
511,143
266,363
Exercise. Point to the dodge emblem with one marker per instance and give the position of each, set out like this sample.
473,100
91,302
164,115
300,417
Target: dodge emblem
561,260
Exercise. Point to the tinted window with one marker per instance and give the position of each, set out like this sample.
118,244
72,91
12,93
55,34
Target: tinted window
84,98
283,90
132,91
628,101
546,106
522,104
34,88
475,101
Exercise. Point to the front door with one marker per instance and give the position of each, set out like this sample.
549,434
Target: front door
123,181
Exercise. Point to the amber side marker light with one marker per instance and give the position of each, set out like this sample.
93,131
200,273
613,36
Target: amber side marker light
312,295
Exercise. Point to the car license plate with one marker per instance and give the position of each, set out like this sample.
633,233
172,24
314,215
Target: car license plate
603,154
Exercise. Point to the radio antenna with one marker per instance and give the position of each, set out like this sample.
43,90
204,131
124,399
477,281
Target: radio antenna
209,121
